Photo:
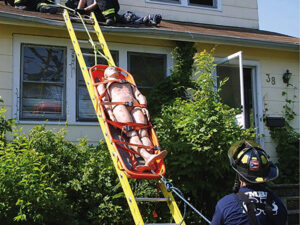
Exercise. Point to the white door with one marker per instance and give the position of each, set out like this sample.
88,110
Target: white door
233,94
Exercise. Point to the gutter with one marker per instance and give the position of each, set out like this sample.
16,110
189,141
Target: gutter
155,33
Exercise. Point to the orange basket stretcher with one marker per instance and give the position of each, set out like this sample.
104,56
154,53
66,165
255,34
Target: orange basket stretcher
128,159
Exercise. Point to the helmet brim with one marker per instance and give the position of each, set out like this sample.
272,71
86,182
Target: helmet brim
272,175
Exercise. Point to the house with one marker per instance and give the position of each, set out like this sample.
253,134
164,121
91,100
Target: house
40,81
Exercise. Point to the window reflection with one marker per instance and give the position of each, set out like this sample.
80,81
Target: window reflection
42,86
147,69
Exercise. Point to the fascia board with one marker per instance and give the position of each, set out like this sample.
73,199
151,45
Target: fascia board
155,33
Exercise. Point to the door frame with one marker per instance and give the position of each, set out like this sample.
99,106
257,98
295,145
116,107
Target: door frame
254,65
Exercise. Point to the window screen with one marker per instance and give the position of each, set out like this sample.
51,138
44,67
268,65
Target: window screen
43,70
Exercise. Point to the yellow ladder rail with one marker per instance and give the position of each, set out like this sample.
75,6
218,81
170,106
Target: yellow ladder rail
88,81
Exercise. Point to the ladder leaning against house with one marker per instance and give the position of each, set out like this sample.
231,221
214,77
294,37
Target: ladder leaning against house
102,45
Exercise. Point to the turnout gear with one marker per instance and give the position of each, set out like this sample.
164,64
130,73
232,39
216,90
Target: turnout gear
10,2
149,20
43,6
109,10
81,11
251,162
152,19
72,4
46,8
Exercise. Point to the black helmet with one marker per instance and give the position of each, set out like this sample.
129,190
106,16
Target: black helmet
251,162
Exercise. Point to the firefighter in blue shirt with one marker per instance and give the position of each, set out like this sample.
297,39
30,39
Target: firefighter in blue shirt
251,203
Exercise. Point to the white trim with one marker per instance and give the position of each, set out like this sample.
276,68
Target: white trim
184,3
257,91
71,71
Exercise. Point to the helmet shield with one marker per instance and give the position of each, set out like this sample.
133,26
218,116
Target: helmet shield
251,162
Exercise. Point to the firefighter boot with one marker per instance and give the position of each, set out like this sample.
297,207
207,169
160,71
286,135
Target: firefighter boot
46,8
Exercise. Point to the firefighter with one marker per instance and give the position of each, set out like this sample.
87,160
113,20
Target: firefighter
105,10
43,6
251,203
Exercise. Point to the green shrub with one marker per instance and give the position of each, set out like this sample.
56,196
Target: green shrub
287,149
166,91
197,132
5,124
45,179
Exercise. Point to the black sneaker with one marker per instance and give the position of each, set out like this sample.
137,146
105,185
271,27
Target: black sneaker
48,9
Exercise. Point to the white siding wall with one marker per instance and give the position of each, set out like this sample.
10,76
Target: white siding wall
275,63
240,13
6,71
10,44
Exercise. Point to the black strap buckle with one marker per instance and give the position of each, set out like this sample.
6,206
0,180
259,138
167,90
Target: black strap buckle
128,128
128,104
156,147
123,81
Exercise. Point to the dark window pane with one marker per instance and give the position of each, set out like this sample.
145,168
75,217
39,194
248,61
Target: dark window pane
230,92
85,110
43,64
169,1
147,69
202,2
42,82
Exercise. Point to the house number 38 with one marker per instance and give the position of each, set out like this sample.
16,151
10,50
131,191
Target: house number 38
270,79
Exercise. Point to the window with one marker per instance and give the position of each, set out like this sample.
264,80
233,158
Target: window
48,84
197,3
85,109
202,2
42,84
147,69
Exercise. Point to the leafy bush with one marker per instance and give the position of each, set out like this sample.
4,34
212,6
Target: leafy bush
45,179
287,148
166,91
5,125
288,154
197,131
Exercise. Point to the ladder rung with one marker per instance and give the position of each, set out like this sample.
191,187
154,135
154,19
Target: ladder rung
87,42
77,19
153,199
91,55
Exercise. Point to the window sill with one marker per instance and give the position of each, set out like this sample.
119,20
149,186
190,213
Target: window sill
186,6
29,122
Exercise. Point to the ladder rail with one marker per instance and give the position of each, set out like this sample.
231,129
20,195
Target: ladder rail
131,200
122,176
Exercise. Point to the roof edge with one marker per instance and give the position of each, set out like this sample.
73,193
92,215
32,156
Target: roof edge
163,33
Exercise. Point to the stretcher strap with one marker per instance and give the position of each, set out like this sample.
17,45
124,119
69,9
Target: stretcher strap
130,104
136,145
128,126
120,81
127,149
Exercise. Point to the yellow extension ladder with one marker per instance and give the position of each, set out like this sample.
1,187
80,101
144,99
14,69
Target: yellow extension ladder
131,200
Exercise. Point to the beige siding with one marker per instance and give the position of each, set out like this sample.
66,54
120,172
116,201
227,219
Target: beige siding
271,62
6,70
232,12
7,34
74,133
275,63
